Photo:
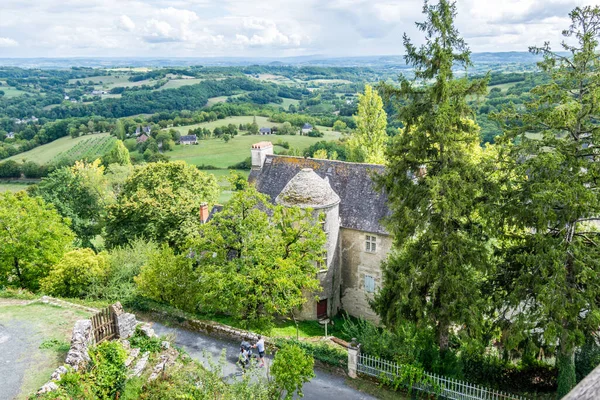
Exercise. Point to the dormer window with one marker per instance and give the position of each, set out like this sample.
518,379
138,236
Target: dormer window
371,244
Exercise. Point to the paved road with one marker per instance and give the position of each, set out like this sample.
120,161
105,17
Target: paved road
325,386
14,357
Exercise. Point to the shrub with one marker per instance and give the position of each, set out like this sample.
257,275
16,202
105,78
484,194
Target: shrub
292,368
587,358
33,170
10,169
323,352
144,343
246,164
107,369
75,273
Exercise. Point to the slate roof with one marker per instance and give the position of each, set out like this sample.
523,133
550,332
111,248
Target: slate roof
188,138
362,207
265,130
588,388
307,126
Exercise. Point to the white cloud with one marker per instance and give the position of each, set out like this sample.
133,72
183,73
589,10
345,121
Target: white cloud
8,42
263,28
126,24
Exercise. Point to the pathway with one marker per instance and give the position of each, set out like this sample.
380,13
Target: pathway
325,386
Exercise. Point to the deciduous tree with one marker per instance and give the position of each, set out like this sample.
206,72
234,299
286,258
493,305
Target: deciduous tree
369,139
33,237
160,202
256,260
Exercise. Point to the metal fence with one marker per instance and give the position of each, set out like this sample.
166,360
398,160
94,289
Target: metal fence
104,325
442,386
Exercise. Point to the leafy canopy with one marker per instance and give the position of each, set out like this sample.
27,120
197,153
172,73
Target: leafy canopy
368,141
33,237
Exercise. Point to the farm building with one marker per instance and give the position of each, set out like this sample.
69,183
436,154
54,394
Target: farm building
10,135
142,138
306,129
188,139
265,131
357,242
146,129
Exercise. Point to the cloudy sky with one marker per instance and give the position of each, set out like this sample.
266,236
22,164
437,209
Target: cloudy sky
274,28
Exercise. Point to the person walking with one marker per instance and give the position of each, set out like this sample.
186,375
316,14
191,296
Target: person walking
260,346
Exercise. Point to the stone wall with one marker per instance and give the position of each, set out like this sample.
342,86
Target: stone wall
126,322
356,264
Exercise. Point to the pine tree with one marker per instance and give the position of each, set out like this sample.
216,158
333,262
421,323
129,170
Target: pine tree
368,141
551,199
435,183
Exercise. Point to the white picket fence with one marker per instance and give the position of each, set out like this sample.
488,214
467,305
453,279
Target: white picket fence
448,388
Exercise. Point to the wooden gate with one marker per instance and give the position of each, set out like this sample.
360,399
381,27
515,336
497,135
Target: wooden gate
104,325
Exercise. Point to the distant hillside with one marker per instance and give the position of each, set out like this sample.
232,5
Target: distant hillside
316,60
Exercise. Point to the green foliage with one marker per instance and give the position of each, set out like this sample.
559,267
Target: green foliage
255,260
125,262
10,169
550,250
33,237
409,377
119,154
79,193
245,165
75,273
144,343
328,354
291,368
160,202
169,278
54,344
587,358
368,141
436,182
107,369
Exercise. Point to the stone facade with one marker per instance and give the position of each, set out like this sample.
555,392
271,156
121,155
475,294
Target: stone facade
353,208
126,322
358,265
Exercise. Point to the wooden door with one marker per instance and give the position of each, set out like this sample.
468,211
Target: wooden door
322,309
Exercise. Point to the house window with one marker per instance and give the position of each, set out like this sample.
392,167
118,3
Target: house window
369,284
371,244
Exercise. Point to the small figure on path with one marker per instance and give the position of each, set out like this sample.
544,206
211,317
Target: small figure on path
260,345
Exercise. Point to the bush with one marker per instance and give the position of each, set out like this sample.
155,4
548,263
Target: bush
10,169
587,358
107,369
75,273
246,164
323,352
33,170
144,343
292,368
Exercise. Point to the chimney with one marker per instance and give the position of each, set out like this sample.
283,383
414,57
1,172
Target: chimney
259,152
203,212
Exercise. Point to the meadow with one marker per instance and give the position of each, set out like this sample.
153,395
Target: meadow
46,153
7,186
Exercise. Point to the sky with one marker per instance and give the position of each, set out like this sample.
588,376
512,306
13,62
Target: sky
262,28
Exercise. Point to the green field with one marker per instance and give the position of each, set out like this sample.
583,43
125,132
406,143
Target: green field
177,83
11,91
244,119
44,154
220,154
503,86
13,187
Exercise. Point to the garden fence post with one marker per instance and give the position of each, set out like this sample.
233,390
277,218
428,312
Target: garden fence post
353,351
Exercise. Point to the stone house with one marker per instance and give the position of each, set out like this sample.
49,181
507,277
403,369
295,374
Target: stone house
357,242
188,139
142,138
265,131
306,129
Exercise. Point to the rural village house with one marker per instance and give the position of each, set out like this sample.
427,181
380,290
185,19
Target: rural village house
142,138
357,242
188,139
146,130
265,131
306,129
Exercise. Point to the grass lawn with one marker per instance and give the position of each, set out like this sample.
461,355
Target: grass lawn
46,334
45,153
222,175
503,86
177,83
220,154
13,187
10,92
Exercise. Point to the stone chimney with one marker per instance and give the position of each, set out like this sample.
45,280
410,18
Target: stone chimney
204,212
259,152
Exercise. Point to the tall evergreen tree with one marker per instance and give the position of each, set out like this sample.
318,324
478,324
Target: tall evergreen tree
435,182
368,141
552,272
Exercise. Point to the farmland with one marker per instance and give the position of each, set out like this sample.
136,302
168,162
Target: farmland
48,152
8,186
